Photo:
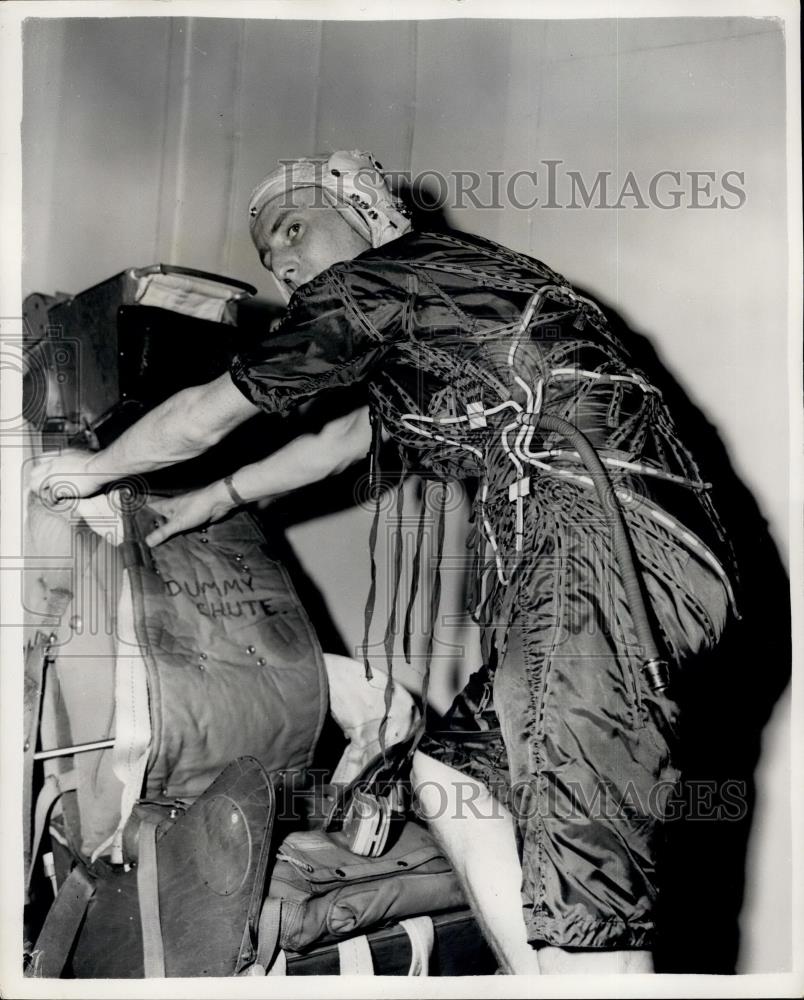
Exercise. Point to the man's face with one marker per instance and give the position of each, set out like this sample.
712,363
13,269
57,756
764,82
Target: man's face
298,236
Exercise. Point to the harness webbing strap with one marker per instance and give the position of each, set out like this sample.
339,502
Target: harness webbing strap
35,657
435,601
268,936
414,583
376,442
54,787
153,949
61,926
132,717
390,629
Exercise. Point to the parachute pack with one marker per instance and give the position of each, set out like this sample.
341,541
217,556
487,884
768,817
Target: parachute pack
175,698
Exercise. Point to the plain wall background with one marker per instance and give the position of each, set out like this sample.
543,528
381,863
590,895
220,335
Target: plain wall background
143,138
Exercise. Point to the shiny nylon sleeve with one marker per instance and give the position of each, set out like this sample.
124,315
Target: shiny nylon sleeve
336,330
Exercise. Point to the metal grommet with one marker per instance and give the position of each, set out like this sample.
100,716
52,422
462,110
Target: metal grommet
239,557
245,569
262,661
251,650
202,656
26,746
204,539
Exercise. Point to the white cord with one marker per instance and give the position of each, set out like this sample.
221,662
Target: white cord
646,387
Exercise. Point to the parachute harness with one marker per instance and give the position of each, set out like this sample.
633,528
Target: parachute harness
515,438
524,425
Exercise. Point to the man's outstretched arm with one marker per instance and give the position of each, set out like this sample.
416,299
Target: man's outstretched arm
306,459
180,428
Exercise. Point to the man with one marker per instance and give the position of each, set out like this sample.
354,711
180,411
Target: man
547,787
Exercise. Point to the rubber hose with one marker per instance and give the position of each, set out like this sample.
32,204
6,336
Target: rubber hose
654,665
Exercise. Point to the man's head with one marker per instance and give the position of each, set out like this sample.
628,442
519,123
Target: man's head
314,212
298,235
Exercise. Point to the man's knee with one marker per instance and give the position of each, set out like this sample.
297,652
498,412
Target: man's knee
444,793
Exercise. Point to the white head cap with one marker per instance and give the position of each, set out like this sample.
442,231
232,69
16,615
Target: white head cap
351,181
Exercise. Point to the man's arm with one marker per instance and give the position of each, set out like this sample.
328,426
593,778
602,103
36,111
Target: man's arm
182,427
307,459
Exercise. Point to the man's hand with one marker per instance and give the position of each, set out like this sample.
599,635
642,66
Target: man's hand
189,510
307,459
65,475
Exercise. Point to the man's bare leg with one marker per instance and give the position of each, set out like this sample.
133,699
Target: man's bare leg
597,962
477,833
358,706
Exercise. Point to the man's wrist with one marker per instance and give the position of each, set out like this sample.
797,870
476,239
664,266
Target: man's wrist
237,499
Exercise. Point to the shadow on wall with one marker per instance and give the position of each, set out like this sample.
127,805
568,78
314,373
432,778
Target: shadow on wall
728,696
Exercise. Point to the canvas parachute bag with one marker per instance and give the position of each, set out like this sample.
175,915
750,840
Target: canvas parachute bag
206,692
169,695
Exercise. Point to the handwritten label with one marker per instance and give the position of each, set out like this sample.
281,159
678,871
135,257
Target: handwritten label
200,588
209,590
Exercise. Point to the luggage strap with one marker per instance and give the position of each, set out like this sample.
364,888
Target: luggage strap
421,933
354,953
355,957
60,928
